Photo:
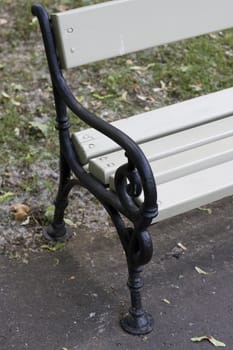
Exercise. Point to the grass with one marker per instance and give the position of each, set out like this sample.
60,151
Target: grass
123,86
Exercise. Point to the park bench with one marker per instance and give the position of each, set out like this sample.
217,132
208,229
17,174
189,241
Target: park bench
182,152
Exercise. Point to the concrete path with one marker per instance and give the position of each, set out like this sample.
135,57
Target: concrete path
72,299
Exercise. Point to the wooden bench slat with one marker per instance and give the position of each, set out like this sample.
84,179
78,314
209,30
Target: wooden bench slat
118,27
195,190
193,160
90,143
105,166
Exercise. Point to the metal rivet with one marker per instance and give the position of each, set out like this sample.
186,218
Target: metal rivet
70,30
91,145
87,137
72,50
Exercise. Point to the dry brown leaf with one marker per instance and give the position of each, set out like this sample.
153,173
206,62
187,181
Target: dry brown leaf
20,211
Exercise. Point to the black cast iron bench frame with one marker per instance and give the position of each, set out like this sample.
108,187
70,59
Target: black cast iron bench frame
135,240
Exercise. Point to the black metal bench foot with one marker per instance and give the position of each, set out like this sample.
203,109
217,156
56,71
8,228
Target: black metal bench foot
137,322
57,233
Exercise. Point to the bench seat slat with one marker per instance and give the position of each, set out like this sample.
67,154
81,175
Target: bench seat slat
193,160
90,143
105,166
118,27
195,190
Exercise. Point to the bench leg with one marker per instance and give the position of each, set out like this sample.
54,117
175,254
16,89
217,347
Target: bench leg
57,230
138,248
139,252
137,321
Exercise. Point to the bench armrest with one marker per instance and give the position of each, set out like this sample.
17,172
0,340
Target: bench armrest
131,178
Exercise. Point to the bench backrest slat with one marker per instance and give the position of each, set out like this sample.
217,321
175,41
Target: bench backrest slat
115,28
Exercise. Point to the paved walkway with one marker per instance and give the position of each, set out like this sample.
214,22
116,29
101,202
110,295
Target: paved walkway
72,299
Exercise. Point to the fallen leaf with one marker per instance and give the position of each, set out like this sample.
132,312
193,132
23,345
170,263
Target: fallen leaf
124,96
200,271
20,211
166,301
163,85
129,62
17,87
137,68
14,102
62,8
50,212
213,35
184,68
102,97
56,262
5,94
17,132
208,210
70,223
196,87
53,248
3,21
33,21
6,196
141,68
180,245
26,222
211,339
41,126
141,97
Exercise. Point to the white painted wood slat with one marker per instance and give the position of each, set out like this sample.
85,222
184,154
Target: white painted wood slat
115,28
191,161
187,162
90,143
195,190
105,166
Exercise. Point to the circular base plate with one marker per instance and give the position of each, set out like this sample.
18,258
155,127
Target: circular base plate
137,325
60,234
